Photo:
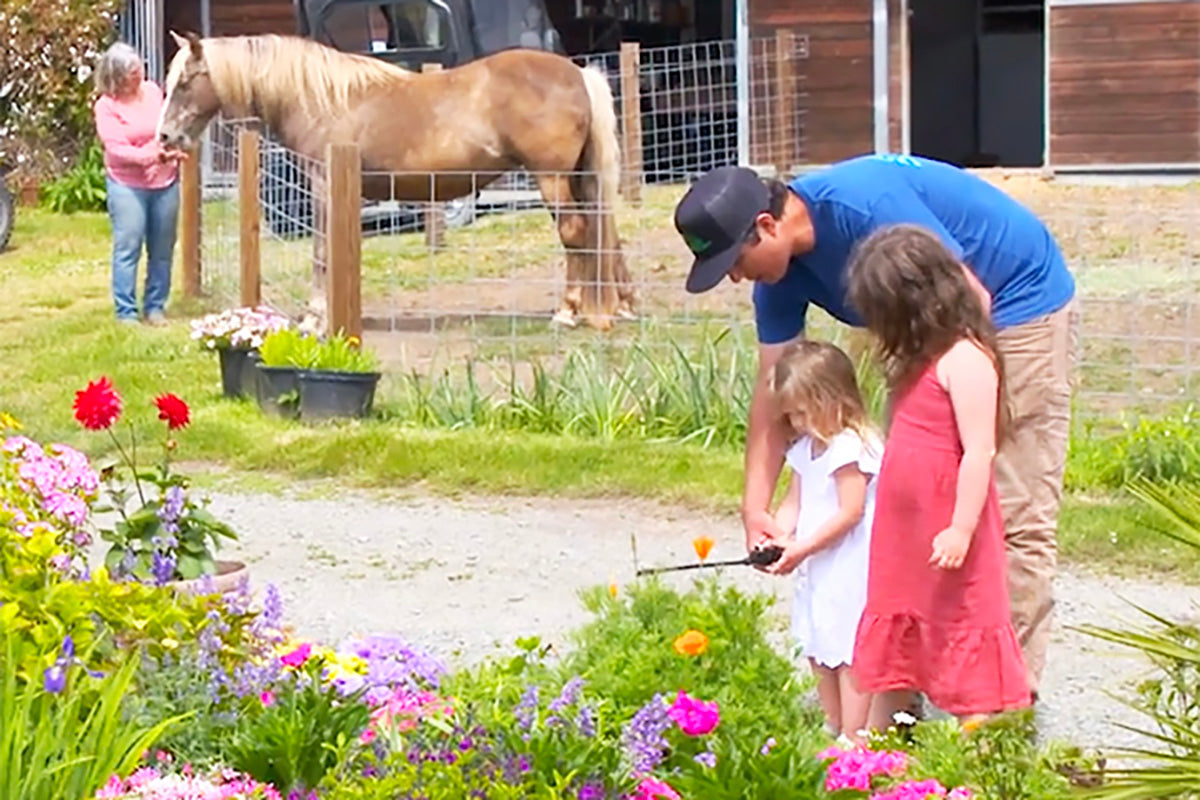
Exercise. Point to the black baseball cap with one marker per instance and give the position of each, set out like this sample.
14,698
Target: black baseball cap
714,217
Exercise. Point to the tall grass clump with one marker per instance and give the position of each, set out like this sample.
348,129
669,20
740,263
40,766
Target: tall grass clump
1170,700
670,391
1159,449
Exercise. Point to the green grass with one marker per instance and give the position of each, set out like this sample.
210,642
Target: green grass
56,333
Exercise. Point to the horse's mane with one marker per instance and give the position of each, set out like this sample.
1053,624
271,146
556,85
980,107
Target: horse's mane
270,71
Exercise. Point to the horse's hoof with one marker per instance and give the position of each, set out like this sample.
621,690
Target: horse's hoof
565,318
626,313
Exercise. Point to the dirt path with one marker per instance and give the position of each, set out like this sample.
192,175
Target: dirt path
461,577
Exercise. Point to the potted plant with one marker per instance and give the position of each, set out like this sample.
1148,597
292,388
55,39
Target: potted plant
236,335
339,380
281,356
167,538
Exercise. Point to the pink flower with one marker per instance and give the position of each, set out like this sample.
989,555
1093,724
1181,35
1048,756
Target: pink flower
913,790
854,769
654,789
267,698
297,657
694,717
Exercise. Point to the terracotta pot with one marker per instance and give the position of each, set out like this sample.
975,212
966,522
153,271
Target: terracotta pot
226,580
29,192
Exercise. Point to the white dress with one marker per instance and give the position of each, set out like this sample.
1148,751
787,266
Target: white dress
831,584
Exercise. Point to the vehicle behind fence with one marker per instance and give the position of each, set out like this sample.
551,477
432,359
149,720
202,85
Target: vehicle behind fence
480,278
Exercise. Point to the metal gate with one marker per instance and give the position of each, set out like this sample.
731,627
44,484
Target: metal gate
141,26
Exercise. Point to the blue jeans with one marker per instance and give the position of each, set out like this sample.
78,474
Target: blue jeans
142,217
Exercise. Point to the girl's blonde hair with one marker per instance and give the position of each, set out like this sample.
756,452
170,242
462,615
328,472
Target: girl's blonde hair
819,378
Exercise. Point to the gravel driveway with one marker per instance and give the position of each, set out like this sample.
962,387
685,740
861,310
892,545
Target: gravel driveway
464,576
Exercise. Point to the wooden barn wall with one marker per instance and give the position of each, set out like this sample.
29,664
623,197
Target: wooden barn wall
1125,83
234,17
837,75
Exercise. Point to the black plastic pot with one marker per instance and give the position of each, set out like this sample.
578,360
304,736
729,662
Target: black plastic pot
325,394
238,371
279,390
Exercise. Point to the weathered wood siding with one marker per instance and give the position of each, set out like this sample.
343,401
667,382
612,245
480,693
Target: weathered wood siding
837,75
233,17
1125,83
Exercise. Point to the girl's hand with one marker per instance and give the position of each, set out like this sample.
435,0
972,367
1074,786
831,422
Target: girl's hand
950,548
794,554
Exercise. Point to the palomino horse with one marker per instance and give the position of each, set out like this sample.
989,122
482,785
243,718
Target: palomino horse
442,134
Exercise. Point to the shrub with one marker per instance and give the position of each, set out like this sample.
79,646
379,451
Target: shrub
50,50
82,188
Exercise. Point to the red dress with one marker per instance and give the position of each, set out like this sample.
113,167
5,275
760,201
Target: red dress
946,633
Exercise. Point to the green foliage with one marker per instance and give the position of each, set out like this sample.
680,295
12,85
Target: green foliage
50,50
339,353
1163,448
307,731
82,188
64,746
998,759
289,347
1171,701
626,652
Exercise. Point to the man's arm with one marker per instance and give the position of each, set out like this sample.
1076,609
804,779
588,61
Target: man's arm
766,443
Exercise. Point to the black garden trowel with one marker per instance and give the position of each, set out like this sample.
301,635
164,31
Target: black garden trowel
759,557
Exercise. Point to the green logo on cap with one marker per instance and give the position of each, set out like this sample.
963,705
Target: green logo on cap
696,244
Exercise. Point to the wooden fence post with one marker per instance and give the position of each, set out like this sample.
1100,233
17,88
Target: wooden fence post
343,165
785,101
249,216
435,213
631,122
189,222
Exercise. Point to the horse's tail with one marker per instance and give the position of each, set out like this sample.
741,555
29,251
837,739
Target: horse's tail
602,156
603,151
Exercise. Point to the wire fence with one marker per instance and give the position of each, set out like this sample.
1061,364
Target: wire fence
482,277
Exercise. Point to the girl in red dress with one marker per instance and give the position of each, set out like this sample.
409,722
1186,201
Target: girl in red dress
937,611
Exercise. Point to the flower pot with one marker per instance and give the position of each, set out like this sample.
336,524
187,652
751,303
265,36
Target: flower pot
275,382
236,365
228,578
325,394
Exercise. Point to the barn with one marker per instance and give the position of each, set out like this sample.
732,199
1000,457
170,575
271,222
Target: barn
1070,85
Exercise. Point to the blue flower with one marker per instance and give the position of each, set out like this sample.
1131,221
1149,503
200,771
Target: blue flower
54,679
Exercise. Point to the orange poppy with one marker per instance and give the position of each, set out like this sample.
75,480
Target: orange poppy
691,643
703,546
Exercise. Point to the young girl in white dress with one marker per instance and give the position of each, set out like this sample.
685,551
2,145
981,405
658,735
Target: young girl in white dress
834,459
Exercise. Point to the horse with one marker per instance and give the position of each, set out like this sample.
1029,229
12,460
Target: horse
439,134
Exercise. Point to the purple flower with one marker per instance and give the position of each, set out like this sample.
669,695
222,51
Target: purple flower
707,758
643,738
54,679
163,568
586,722
568,696
592,790
526,709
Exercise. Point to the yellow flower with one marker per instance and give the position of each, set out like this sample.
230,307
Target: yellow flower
971,724
354,341
703,545
612,589
169,643
691,643
8,422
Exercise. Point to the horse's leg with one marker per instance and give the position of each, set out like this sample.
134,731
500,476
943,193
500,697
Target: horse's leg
572,231
617,270
317,307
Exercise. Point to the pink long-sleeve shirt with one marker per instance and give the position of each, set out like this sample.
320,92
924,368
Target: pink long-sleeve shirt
127,129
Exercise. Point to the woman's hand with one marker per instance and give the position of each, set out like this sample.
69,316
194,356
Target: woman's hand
950,548
167,156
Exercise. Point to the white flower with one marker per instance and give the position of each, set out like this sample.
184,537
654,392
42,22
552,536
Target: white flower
904,718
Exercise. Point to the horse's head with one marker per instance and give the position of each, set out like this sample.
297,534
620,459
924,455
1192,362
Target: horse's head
191,96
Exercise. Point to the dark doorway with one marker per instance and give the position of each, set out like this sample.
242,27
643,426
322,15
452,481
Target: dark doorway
977,81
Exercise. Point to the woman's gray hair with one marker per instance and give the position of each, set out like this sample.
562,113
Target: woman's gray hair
115,66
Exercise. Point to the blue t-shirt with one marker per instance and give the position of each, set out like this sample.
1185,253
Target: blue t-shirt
1001,241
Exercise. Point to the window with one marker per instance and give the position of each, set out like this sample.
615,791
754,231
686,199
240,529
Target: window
386,27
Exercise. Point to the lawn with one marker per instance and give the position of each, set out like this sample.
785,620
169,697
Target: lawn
56,333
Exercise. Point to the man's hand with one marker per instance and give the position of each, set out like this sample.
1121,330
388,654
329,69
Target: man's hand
761,530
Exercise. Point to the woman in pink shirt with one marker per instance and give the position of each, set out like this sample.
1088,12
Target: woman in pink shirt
142,181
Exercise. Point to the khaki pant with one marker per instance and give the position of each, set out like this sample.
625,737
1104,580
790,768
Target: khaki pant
1039,358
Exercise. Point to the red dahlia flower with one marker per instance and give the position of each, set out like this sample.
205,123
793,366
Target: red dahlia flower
173,410
98,406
